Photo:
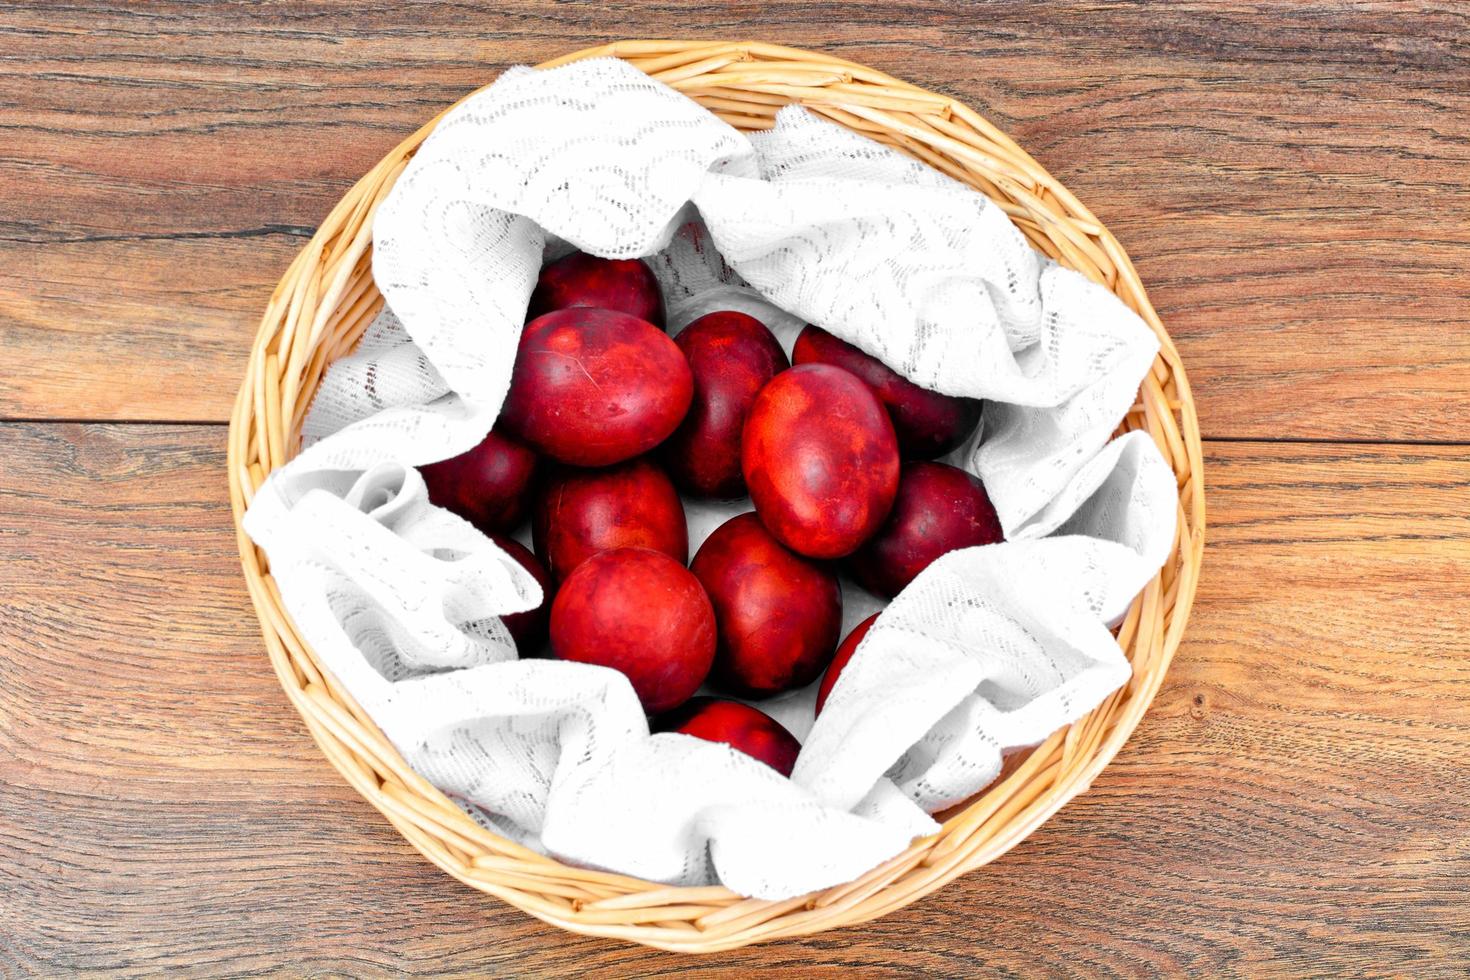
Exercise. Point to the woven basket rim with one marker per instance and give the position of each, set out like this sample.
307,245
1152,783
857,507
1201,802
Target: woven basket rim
327,298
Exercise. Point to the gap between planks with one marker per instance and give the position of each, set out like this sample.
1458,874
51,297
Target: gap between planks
1207,440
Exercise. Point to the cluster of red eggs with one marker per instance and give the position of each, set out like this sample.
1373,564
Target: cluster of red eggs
608,419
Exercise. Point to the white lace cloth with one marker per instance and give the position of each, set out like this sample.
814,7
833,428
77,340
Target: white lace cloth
989,649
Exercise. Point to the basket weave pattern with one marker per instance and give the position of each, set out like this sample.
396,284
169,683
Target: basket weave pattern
327,298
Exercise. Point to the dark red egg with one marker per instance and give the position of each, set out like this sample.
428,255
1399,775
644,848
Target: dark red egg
487,486
844,654
641,613
594,387
939,508
626,285
779,614
740,726
583,512
528,628
927,423
820,459
731,356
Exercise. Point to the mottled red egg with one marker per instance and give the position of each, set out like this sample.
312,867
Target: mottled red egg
939,508
488,486
626,285
528,628
820,459
594,387
779,614
839,660
740,726
731,356
629,505
641,613
927,423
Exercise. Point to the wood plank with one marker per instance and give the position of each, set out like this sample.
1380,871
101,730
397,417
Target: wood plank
1292,804
168,343
1290,178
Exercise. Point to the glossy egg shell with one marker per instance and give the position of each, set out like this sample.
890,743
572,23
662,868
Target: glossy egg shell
820,459
739,726
626,285
528,628
927,423
489,486
939,508
594,387
640,613
779,614
731,356
839,660
582,512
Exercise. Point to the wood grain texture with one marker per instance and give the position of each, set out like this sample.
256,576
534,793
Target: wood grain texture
1290,177
1293,804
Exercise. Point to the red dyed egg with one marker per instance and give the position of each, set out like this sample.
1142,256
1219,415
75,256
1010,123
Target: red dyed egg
641,613
528,628
487,486
820,459
939,508
595,387
844,654
740,726
927,423
626,285
779,615
731,356
630,505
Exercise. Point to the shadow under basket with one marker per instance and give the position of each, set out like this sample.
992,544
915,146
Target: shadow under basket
327,298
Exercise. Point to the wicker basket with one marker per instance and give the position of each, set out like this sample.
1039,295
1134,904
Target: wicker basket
327,298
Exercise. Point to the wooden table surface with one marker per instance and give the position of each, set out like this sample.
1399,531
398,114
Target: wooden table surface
1293,181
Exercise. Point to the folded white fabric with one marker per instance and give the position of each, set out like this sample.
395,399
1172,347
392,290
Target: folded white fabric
988,650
